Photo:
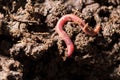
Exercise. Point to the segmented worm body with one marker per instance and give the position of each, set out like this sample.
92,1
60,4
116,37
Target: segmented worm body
65,37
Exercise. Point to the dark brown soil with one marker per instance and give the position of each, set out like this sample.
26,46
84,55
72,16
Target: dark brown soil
30,49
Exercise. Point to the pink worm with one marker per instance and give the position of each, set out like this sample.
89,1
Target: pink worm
65,37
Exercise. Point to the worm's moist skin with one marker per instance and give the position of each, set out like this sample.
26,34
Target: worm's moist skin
65,37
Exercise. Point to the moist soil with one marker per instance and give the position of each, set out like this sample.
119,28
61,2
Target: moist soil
31,49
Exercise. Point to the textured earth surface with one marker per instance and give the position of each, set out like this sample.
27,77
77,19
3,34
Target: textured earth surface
30,49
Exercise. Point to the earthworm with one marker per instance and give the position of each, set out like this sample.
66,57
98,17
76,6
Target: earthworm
65,37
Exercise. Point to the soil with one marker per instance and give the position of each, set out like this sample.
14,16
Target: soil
30,49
